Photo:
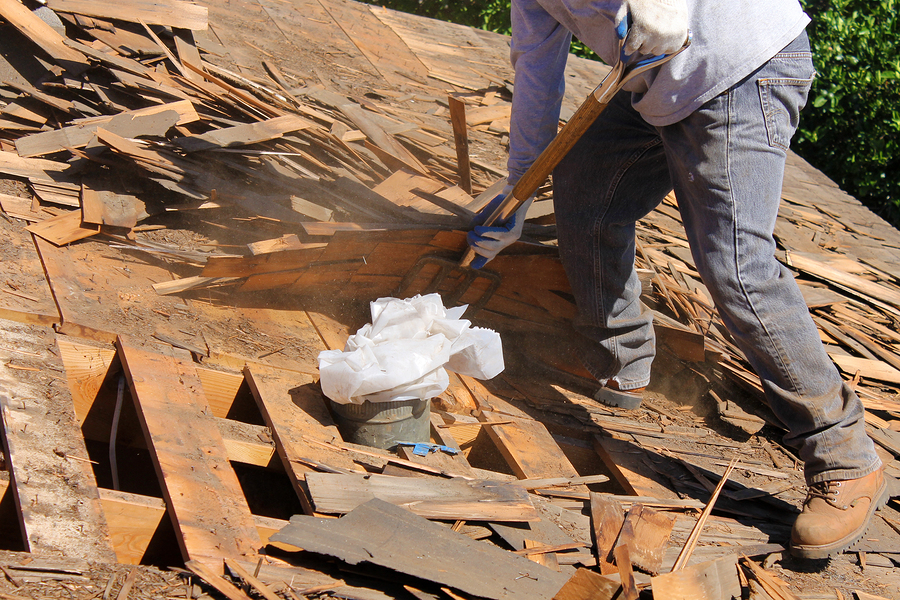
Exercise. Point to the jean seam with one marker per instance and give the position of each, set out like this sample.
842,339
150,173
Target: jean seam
598,228
843,474
771,340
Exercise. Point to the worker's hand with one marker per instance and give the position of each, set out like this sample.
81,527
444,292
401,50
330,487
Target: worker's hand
487,242
657,26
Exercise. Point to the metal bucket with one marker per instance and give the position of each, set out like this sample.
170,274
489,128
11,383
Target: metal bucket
383,424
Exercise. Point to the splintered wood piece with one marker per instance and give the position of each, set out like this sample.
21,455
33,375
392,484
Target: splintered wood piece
51,480
685,555
154,120
188,52
380,138
461,138
214,579
250,580
295,411
869,290
626,575
528,448
103,207
587,584
382,534
772,586
870,369
607,518
211,516
646,533
243,135
174,13
432,498
625,461
710,580
30,168
541,554
16,14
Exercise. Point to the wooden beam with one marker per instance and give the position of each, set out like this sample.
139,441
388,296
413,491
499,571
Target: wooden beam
211,516
294,420
134,519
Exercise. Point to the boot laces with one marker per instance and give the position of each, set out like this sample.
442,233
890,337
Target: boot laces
827,490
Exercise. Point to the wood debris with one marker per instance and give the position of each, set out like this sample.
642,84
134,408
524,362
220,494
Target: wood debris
194,209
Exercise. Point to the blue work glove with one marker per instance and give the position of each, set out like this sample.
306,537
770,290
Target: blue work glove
487,242
657,26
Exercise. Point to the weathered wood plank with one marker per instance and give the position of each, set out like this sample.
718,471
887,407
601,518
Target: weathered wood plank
607,518
211,516
64,229
529,449
31,168
383,534
297,420
132,123
588,584
52,481
624,460
432,498
705,581
377,42
174,13
243,135
646,533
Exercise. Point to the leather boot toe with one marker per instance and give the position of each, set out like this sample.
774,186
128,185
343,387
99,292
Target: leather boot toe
836,515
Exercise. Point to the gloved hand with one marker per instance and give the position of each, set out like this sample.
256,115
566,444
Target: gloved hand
487,242
657,26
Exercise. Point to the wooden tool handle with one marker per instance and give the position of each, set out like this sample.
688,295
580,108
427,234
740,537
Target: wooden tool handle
586,114
541,168
468,257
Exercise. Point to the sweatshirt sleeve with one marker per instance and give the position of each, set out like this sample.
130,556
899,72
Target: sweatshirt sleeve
540,46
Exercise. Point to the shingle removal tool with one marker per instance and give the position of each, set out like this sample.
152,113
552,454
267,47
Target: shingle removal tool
623,71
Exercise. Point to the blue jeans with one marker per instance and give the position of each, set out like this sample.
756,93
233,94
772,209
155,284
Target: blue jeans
726,165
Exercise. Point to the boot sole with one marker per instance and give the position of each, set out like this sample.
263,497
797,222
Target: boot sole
621,399
829,550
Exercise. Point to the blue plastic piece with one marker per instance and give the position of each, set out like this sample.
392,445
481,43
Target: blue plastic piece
424,448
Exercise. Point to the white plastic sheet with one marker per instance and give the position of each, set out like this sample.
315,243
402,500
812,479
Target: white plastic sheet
404,353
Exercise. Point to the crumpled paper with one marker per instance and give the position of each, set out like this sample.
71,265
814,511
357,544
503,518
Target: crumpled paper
404,353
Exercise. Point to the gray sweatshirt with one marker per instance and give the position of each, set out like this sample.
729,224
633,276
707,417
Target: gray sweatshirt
731,39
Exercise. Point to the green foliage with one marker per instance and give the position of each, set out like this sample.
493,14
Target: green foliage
492,15
851,127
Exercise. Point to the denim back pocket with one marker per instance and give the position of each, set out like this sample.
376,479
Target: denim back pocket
782,99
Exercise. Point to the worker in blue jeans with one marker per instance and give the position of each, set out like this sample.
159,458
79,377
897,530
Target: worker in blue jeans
715,124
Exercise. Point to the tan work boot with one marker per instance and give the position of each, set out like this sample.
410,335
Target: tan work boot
836,515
